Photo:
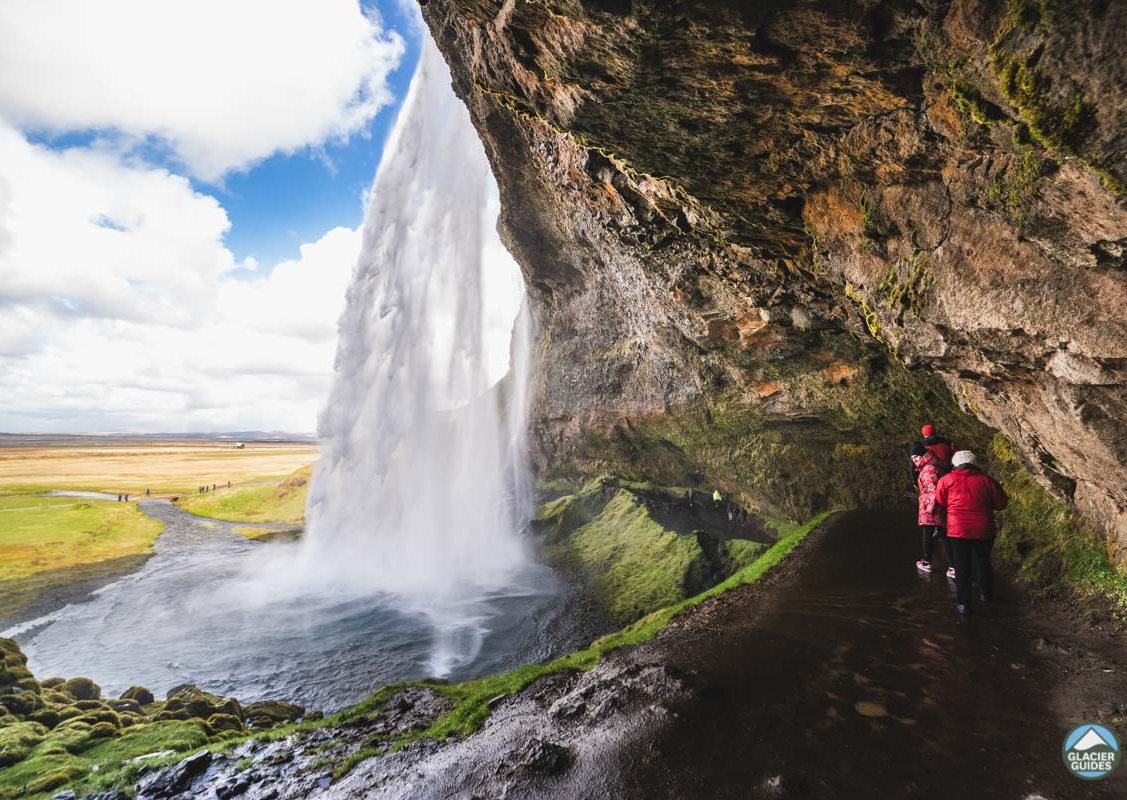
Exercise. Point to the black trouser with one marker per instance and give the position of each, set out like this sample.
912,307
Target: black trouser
930,534
972,563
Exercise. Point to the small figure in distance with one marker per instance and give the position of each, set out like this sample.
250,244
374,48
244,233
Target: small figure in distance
970,498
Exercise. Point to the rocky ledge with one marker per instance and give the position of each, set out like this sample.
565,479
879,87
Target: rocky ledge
56,731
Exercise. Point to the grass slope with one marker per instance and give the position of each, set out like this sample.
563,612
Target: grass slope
47,541
1049,545
283,501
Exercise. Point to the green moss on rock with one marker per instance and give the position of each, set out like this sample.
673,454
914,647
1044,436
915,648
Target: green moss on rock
1048,546
81,689
139,694
637,564
17,740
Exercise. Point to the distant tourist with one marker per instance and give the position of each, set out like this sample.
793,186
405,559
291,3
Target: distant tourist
930,517
717,497
970,497
146,493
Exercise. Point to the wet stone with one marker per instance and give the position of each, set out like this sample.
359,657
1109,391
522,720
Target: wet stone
546,758
175,779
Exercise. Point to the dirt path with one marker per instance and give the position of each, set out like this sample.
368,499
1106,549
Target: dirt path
857,679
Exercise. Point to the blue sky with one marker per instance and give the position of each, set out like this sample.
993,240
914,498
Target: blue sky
288,200
182,186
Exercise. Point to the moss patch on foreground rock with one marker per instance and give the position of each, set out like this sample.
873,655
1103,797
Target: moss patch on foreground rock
610,533
53,732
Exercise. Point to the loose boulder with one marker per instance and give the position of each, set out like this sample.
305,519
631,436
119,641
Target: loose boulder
81,689
138,694
268,713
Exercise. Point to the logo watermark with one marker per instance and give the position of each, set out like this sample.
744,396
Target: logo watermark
1090,751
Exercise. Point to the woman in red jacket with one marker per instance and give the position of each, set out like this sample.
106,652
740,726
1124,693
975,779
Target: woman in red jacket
970,497
931,519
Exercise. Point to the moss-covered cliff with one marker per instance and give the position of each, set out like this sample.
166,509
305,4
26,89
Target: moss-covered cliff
767,240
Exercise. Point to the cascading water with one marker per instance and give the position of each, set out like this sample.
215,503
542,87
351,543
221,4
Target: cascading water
418,492
413,563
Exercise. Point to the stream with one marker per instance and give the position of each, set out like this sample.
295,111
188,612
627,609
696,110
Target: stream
205,610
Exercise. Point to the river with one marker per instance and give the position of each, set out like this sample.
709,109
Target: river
203,610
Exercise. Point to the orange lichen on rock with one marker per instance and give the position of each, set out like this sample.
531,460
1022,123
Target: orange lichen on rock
833,212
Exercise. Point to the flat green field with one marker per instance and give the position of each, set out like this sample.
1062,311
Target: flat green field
47,542
47,533
51,542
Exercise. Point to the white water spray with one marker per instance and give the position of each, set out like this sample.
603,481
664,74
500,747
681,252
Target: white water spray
419,490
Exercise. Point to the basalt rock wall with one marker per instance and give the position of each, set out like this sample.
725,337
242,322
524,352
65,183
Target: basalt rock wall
765,239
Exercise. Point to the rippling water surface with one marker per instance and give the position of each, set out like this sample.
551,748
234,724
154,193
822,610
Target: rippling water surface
205,610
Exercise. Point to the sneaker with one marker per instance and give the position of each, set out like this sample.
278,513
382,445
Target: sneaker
962,609
923,566
951,573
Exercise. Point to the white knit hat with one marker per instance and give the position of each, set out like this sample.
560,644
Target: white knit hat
963,458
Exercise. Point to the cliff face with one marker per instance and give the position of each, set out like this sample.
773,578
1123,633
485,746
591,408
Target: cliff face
767,239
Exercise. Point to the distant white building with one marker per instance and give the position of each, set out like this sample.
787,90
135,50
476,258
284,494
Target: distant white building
240,446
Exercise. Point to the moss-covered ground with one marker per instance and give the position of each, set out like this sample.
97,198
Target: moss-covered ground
642,547
274,501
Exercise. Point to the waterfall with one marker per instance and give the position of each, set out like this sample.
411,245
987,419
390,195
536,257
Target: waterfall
413,561
420,491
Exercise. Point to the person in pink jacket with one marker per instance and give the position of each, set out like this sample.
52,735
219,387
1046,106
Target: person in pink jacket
970,497
931,519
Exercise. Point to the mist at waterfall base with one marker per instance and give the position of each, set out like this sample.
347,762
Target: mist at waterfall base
413,562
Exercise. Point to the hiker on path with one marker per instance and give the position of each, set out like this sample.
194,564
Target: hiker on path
942,448
931,519
970,498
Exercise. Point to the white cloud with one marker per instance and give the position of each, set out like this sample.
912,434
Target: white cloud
222,83
119,309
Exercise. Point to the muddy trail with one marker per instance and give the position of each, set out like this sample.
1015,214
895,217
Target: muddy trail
858,679
843,674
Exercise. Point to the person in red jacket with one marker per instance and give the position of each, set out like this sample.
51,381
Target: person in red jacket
970,497
942,448
930,517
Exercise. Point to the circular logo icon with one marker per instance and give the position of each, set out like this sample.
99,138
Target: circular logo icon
1090,751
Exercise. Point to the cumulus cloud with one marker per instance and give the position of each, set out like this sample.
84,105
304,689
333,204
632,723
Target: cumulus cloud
121,308
220,83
